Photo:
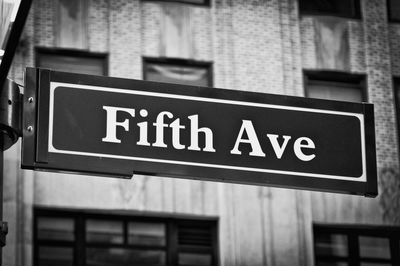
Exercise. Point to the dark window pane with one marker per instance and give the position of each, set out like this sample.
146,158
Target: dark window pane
104,231
344,8
332,91
55,256
332,263
394,8
51,228
178,74
195,234
375,264
146,233
374,247
331,244
332,85
197,2
194,1
70,63
193,259
396,85
122,257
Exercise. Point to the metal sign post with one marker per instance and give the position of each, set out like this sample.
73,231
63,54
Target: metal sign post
10,125
117,127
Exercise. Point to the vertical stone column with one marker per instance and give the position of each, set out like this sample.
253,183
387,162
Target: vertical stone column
25,187
44,22
98,29
380,92
224,68
291,48
125,39
293,85
19,215
224,76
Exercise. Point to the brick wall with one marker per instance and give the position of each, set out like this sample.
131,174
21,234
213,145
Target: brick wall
98,25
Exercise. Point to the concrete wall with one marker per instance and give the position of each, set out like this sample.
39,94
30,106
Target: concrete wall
254,45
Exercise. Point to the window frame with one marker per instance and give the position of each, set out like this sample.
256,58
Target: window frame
178,61
80,244
332,77
207,3
353,232
357,12
72,52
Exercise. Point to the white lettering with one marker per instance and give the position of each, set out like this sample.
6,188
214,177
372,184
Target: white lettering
143,130
298,145
275,145
176,134
194,135
303,147
159,124
111,122
247,126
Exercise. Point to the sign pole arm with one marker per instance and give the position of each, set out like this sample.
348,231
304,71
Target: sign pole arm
10,128
3,224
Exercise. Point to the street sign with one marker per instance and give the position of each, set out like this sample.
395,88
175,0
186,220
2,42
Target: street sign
118,127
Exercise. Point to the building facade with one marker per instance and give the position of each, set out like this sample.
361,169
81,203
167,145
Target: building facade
340,50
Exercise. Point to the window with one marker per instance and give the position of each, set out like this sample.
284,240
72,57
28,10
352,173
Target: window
393,7
356,245
72,238
193,2
335,86
178,71
72,61
71,23
396,87
339,8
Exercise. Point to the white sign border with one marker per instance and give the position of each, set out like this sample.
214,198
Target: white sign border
52,149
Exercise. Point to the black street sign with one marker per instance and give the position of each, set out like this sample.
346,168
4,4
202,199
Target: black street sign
118,127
